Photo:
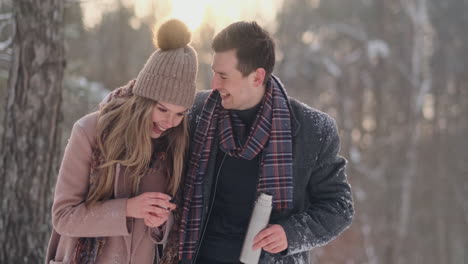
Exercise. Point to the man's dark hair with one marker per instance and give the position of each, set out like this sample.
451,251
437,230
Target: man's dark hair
253,44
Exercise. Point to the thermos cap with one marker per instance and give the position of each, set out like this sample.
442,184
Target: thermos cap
265,199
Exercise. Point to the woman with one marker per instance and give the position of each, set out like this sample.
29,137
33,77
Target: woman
123,163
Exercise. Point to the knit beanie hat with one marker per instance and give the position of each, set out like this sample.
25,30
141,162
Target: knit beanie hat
169,74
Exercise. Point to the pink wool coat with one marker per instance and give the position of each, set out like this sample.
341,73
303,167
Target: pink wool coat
128,240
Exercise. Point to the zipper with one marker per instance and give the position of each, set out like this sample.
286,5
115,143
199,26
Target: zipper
210,204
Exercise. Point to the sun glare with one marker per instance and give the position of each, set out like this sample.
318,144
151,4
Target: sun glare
219,14
190,12
216,13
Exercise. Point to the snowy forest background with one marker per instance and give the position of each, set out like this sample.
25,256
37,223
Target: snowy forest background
393,73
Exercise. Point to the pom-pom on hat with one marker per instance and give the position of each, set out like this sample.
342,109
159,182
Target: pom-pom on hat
169,74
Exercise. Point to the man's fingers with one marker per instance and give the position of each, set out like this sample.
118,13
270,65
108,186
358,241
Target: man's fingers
275,250
264,233
264,242
275,247
272,239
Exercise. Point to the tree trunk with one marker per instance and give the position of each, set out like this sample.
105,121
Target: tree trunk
421,82
30,140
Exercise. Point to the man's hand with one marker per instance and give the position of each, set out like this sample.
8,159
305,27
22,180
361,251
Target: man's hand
271,239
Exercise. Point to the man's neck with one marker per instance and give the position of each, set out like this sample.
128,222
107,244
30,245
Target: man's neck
257,98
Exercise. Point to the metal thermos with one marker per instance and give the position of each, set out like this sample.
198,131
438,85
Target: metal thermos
258,221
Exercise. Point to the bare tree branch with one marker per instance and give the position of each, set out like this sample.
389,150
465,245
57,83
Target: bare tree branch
8,21
6,16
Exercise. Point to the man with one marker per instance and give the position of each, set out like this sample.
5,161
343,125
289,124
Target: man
249,137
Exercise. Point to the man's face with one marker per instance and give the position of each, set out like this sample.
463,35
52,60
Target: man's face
237,92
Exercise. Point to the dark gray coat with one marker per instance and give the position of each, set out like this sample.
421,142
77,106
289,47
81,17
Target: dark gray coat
323,205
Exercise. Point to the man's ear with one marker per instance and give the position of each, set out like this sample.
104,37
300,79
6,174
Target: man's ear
259,77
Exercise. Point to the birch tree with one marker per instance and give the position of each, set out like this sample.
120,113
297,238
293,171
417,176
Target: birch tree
30,137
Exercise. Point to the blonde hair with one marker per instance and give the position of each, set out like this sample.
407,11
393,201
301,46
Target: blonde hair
124,137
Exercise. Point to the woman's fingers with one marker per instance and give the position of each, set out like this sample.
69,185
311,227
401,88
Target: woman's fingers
149,222
155,210
153,220
156,195
162,203
154,202
163,216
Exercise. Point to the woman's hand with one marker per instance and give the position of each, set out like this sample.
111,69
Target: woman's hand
155,220
153,207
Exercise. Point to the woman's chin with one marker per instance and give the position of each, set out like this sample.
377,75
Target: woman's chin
155,135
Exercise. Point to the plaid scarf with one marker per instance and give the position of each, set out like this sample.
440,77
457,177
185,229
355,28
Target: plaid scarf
87,249
270,136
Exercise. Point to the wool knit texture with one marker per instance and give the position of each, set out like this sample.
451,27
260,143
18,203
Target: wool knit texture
169,76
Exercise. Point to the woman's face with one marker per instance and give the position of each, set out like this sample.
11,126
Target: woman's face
165,116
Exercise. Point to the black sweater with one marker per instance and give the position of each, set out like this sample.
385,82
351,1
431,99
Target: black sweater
235,193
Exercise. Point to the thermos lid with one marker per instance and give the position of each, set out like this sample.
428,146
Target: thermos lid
265,199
